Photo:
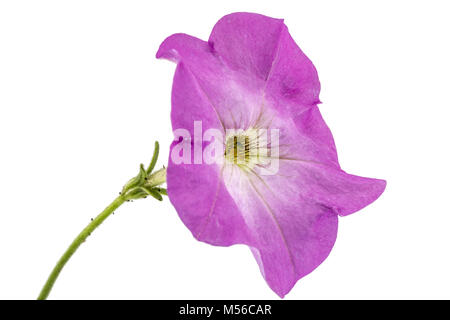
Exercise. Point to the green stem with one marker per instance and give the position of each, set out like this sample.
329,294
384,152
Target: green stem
77,243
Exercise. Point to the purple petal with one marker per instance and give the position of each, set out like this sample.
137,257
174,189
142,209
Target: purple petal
293,83
190,103
247,42
330,187
292,235
262,46
343,192
198,193
235,97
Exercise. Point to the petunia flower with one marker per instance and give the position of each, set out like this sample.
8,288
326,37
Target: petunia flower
251,75
263,170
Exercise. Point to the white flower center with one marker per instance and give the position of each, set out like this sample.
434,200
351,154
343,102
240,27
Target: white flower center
245,148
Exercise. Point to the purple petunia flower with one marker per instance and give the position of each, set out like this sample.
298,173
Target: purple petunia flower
252,76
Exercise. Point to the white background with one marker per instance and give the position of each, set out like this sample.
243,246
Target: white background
82,99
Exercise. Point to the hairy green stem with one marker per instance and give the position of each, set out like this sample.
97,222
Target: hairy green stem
77,243
144,184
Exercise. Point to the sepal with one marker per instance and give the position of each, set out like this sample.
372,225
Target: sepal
146,183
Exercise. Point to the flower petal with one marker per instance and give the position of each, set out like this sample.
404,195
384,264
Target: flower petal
293,83
190,104
311,127
233,95
247,42
291,235
262,46
295,211
342,192
198,193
